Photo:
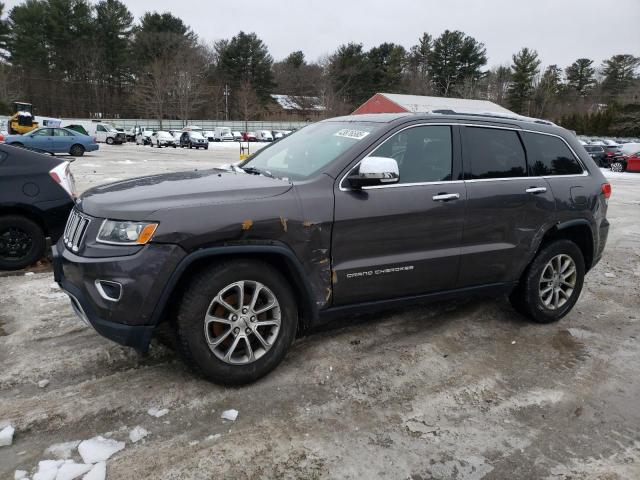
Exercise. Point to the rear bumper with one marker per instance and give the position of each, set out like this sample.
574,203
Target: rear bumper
130,320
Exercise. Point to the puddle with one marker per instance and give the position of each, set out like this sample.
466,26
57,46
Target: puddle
570,349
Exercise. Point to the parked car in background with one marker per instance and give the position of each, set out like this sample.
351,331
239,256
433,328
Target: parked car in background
77,128
264,136
626,163
176,134
55,140
163,139
209,135
144,137
223,134
237,136
193,139
105,133
238,261
249,137
36,196
598,154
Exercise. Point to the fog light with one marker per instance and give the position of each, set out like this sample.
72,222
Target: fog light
111,291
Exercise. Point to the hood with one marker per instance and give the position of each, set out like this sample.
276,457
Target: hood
138,198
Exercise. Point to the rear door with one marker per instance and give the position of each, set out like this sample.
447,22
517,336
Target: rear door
62,140
402,239
506,207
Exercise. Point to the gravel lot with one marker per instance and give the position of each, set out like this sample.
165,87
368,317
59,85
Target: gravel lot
456,390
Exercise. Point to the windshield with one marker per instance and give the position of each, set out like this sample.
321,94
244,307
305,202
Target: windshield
196,135
311,148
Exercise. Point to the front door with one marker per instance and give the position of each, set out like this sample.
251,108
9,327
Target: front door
402,239
42,139
101,133
505,206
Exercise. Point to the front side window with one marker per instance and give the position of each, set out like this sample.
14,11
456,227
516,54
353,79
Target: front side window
43,132
549,155
494,153
424,154
100,128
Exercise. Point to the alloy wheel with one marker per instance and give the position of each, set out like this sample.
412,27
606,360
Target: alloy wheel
242,322
15,243
558,281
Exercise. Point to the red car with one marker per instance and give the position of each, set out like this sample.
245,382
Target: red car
249,137
629,163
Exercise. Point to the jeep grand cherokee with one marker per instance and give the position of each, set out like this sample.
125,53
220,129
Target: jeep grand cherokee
345,215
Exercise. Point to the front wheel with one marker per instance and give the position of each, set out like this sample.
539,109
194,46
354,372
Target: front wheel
22,242
551,285
236,321
77,150
110,141
617,167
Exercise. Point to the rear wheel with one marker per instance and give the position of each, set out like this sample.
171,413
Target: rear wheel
551,285
22,242
236,321
617,167
77,150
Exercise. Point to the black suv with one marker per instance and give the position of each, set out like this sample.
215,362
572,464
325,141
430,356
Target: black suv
193,140
345,215
36,196
598,154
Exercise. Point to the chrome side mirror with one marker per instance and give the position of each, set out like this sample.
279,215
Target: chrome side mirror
374,171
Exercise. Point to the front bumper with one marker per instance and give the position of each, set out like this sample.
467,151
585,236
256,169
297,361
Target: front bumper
131,320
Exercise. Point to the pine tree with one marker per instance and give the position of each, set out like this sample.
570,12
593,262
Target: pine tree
581,76
386,64
619,72
523,72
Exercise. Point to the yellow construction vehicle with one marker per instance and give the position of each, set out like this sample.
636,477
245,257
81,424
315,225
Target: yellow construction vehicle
22,119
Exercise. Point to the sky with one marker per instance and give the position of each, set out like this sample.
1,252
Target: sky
560,30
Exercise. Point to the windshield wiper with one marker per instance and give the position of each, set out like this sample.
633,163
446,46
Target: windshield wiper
257,171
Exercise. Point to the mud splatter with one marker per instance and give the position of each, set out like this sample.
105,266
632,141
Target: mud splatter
247,224
283,221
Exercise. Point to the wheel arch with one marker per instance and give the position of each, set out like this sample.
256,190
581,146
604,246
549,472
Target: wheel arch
578,231
27,212
281,258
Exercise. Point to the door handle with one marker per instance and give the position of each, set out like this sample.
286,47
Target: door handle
536,190
444,197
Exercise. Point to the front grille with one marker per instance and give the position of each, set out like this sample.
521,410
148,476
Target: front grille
75,230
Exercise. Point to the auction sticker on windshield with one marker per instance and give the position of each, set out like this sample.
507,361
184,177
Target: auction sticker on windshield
348,133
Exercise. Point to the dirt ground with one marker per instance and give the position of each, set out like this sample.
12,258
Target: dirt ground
456,390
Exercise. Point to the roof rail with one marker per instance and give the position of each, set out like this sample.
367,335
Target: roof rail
514,116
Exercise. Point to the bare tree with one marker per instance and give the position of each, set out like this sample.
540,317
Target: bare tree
154,93
190,83
247,102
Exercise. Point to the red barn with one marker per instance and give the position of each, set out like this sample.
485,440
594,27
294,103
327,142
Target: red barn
398,103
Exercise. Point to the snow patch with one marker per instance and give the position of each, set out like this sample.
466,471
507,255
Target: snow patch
229,415
19,474
98,449
98,472
69,471
137,434
155,412
6,436
62,450
43,383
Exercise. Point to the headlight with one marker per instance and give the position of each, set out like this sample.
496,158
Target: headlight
126,233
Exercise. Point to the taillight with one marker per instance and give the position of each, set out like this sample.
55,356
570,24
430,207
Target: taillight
606,190
62,175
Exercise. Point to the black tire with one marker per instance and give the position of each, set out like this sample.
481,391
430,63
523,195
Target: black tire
76,150
110,141
12,260
207,147
199,293
526,300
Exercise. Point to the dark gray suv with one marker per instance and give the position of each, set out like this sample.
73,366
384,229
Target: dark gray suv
345,215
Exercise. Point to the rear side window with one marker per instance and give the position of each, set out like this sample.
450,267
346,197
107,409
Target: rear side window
550,156
494,153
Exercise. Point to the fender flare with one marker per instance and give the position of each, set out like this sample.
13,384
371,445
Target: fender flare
292,261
